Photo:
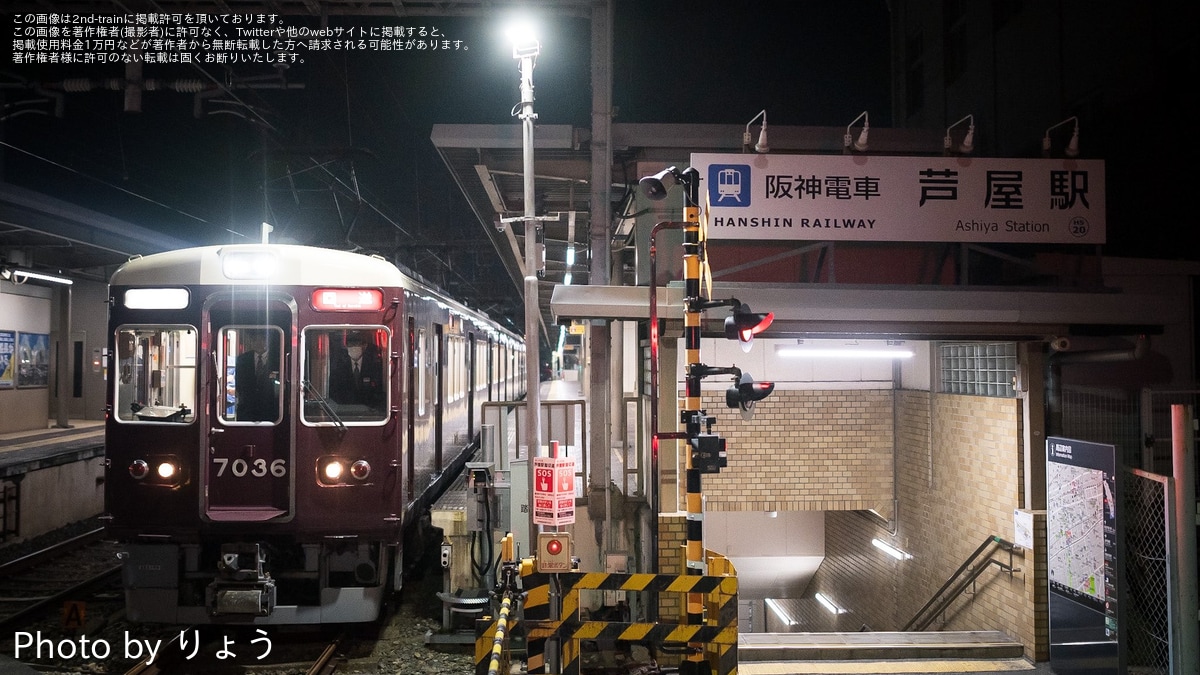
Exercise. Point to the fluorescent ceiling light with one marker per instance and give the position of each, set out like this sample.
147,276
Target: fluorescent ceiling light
829,605
832,350
779,612
20,276
891,550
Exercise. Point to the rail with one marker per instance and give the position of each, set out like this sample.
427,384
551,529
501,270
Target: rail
959,581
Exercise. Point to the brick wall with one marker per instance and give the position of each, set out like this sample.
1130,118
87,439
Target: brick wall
804,450
976,485
957,482
672,535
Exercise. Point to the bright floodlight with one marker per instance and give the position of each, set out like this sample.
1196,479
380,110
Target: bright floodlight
523,37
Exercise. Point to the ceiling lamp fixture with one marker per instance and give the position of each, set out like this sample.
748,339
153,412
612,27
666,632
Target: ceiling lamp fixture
891,550
860,144
845,350
761,145
1072,149
829,604
968,141
19,276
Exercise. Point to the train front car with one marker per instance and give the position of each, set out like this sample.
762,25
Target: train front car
254,445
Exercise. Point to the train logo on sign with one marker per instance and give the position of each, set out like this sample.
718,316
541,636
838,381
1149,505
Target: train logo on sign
729,184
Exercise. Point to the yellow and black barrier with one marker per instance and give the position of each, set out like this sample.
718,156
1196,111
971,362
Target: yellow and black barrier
716,634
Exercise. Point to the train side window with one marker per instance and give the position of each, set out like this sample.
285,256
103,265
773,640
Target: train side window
155,374
345,375
252,374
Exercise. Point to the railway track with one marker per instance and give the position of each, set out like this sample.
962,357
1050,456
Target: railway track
39,582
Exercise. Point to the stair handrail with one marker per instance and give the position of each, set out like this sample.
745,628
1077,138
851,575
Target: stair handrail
946,599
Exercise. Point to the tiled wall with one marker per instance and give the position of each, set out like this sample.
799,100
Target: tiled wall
804,450
959,482
672,535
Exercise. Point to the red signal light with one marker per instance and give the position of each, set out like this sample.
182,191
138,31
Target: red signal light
743,324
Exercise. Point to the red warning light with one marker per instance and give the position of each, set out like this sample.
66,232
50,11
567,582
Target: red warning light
347,299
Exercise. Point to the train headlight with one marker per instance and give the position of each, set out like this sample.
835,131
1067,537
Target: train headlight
166,470
360,469
248,265
333,470
139,469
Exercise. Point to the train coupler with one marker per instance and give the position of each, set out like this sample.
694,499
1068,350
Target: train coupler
243,587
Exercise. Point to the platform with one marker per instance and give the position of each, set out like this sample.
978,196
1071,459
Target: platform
25,451
50,478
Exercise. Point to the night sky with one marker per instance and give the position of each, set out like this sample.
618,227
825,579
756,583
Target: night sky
817,63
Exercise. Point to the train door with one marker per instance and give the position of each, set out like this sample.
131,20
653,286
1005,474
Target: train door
470,373
410,448
251,464
439,390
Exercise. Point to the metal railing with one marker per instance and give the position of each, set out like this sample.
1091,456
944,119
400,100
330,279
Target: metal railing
562,420
960,581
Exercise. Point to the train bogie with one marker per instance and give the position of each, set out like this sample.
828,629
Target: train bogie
278,417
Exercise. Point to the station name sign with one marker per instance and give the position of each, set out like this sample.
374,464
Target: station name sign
894,198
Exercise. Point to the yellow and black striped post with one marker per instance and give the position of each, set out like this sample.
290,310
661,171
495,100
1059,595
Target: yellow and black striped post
693,663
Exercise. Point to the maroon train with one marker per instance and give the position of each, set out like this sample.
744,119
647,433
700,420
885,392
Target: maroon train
278,417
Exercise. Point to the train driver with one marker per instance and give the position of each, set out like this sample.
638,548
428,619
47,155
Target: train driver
356,374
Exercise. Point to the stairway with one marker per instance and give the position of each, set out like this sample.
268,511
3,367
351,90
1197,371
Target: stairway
757,647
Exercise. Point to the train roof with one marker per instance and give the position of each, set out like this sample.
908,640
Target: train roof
278,264
287,265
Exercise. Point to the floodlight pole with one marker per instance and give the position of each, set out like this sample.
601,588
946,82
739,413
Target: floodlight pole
526,56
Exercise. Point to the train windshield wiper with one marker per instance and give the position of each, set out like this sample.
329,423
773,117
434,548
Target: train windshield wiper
324,403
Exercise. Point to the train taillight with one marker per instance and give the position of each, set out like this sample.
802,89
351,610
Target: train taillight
360,469
139,469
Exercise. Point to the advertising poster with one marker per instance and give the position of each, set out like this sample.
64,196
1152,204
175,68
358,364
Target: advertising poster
8,342
33,360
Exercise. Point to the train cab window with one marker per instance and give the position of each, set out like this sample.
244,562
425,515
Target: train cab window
251,374
155,376
345,374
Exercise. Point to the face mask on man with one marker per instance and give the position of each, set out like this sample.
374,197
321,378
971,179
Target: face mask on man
354,352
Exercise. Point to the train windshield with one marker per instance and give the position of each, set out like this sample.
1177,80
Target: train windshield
156,374
252,372
345,374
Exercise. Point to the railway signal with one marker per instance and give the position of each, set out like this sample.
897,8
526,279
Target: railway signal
745,392
743,324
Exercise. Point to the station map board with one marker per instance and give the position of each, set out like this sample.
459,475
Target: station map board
1083,557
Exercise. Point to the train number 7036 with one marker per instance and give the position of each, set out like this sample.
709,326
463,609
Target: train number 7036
257,468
